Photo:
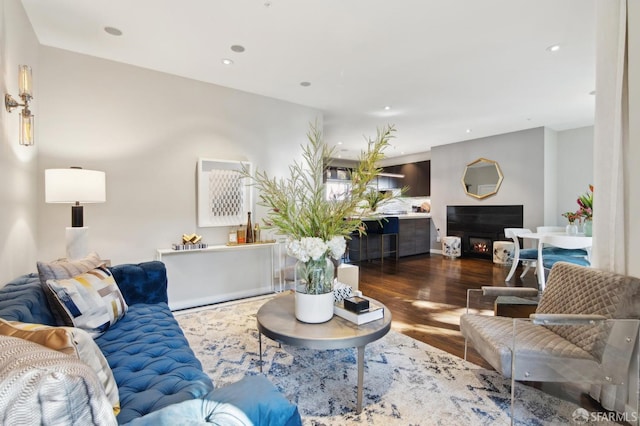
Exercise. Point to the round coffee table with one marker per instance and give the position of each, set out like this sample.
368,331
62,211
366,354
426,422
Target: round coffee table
276,320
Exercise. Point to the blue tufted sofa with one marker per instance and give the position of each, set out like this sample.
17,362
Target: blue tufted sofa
152,363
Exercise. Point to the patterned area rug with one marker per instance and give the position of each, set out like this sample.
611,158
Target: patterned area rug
406,382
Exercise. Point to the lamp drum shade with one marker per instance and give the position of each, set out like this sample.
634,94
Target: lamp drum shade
74,185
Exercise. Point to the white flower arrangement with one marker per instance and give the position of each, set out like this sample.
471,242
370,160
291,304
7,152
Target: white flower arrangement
314,248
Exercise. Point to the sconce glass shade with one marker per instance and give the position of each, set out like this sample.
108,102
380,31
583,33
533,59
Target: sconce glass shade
74,186
26,128
24,81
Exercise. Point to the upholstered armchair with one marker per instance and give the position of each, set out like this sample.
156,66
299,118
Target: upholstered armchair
585,330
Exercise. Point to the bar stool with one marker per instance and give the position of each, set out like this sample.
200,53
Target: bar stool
390,228
357,248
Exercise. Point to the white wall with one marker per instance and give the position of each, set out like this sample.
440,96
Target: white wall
574,170
543,170
550,177
18,207
520,156
146,130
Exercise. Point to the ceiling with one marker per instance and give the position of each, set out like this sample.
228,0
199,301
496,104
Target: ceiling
451,70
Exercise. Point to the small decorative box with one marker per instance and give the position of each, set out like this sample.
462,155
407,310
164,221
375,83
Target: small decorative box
356,304
341,291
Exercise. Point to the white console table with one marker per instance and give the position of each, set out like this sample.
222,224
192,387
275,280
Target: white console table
218,273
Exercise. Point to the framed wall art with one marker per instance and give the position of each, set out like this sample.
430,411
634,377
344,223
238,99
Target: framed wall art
224,196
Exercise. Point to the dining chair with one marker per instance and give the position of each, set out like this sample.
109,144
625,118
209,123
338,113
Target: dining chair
573,243
528,257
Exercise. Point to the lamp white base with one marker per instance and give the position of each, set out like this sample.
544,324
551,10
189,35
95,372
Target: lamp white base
77,242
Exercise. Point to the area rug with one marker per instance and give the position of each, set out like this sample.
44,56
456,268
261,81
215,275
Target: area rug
406,382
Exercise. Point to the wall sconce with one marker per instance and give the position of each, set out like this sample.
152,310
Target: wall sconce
25,93
75,186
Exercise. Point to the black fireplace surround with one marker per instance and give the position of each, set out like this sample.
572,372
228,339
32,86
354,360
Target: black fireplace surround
479,226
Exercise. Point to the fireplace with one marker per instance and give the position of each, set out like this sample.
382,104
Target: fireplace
479,226
481,246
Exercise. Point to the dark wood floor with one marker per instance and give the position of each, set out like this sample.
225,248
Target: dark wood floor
427,294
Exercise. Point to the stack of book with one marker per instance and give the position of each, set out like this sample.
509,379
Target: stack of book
372,313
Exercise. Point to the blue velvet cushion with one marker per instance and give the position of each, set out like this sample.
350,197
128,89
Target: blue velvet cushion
142,283
532,254
565,252
260,400
529,254
193,413
23,299
549,260
151,361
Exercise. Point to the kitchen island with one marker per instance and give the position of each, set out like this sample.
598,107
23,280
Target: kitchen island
413,237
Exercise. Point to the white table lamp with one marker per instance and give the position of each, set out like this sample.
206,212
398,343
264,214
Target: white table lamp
75,186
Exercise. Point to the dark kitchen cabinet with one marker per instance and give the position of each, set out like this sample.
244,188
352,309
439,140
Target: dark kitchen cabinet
417,176
414,238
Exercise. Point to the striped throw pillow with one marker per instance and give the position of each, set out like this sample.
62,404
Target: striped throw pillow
71,341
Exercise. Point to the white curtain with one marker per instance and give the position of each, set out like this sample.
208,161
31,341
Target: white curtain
610,136
611,143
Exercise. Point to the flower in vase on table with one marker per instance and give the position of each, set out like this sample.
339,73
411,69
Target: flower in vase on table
314,268
585,203
572,216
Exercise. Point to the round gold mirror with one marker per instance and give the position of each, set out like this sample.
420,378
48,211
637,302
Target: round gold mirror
482,178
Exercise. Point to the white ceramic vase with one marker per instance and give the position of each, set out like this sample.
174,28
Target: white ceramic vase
314,308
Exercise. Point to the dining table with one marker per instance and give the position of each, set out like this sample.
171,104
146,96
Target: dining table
535,237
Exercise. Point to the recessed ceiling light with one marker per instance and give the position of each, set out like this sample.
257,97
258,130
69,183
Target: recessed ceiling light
237,48
339,142
113,31
387,107
305,84
227,61
553,48
468,130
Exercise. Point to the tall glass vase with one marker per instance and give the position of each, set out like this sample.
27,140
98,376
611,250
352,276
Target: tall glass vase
314,290
588,231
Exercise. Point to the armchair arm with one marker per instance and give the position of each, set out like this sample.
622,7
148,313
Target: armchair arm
490,291
566,319
509,291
